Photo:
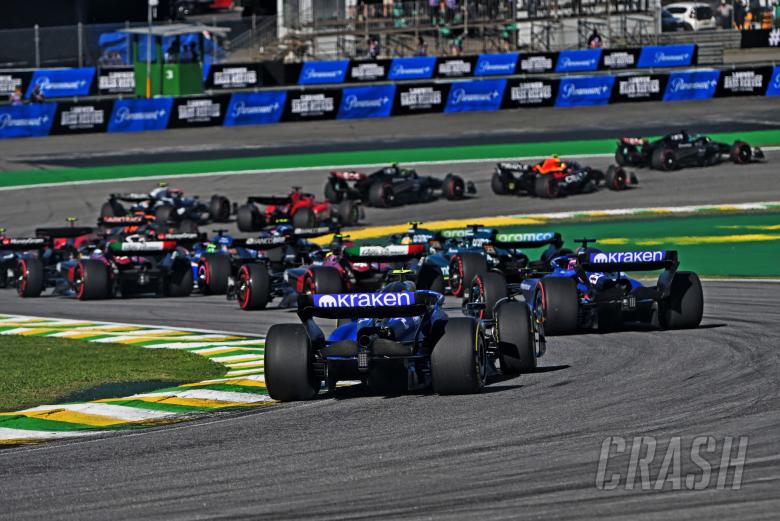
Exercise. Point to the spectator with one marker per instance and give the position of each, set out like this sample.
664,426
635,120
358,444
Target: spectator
724,12
16,96
422,47
594,40
452,7
739,14
36,96
433,8
387,6
373,48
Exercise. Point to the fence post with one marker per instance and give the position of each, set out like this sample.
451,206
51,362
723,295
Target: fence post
37,47
80,36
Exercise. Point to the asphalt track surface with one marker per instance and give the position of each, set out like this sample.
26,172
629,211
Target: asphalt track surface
524,448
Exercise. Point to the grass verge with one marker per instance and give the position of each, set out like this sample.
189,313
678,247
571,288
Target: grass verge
38,370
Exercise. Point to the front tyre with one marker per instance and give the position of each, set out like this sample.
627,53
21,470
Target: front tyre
740,153
219,209
332,194
454,187
289,364
616,179
459,359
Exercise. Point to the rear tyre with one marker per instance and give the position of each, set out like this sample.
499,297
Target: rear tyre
249,218
213,274
685,306
254,286
488,288
557,305
664,159
179,281
546,186
31,279
380,195
164,214
349,213
740,153
332,194
304,218
91,280
463,268
454,187
498,185
616,178
112,209
620,159
289,364
459,359
322,280
430,278
219,208
515,338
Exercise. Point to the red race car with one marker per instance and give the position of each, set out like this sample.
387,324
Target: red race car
300,209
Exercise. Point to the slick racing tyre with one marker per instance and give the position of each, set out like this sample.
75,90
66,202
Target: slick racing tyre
616,178
381,195
459,358
546,186
322,280
304,218
289,364
488,289
249,218
164,214
31,278
430,278
454,187
620,159
740,153
463,268
498,185
515,338
664,159
213,273
332,194
684,307
219,209
187,226
349,212
112,209
556,305
178,282
254,286
91,280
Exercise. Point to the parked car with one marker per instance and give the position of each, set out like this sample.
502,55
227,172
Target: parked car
695,16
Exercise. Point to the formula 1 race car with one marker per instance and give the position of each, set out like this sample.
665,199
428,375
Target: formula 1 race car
300,209
555,178
590,289
168,205
396,340
680,150
394,186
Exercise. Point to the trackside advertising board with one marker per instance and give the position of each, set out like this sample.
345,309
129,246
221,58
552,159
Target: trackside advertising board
137,115
579,91
255,108
59,83
638,87
26,120
578,60
749,81
667,56
82,118
319,73
688,85
774,82
366,102
503,64
420,98
468,96
412,68
530,92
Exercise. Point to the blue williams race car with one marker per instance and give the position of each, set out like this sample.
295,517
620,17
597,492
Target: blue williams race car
590,289
397,339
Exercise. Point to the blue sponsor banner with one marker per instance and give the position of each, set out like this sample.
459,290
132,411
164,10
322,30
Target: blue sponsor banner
366,102
33,120
496,64
58,83
136,115
578,91
578,60
467,96
627,257
412,68
364,300
773,89
685,85
317,73
255,108
667,55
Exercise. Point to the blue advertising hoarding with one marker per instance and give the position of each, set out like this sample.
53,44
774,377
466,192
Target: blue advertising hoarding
773,89
579,91
496,64
686,85
467,96
366,102
666,55
578,60
320,73
58,83
31,120
412,68
255,108
137,115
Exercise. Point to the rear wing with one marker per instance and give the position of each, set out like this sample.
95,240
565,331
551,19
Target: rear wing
132,198
123,220
261,243
513,166
391,253
528,240
276,200
628,261
147,247
184,238
64,232
348,175
366,305
634,141
23,243
311,233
